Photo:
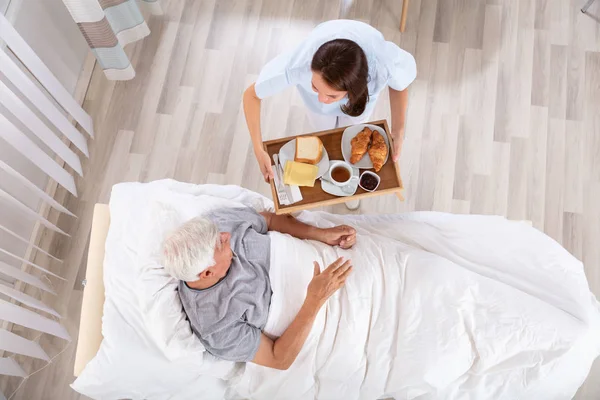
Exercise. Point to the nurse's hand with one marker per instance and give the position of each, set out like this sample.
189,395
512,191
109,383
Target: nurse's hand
264,163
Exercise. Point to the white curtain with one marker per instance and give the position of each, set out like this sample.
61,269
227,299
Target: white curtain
108,25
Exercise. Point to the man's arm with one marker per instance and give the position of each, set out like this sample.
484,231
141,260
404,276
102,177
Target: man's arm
282,352
343,235
398,107
290,225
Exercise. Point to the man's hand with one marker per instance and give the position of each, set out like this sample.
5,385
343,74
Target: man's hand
282,352
326,283
342,235
397,141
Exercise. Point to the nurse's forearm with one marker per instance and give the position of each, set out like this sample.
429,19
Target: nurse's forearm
252,113
398,105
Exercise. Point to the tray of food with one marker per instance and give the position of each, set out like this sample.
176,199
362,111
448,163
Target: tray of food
329,167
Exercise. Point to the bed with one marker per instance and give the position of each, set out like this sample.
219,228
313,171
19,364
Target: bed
90,322
441,307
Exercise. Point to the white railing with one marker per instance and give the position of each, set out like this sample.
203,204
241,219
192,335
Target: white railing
35,113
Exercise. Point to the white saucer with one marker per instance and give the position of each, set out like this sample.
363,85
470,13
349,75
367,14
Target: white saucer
338,191
288,152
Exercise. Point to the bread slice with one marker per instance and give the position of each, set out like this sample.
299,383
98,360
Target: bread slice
309,149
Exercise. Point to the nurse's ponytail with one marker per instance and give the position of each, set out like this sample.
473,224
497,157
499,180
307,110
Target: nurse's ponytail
343,65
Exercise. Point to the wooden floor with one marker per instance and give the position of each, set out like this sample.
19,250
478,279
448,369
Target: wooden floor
503,119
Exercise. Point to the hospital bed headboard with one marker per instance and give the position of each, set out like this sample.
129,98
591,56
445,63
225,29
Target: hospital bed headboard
90,322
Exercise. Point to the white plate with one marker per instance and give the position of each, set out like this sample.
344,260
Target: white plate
288,152
338,191
349,134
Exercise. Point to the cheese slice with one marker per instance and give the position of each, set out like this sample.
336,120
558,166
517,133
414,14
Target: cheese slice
300,174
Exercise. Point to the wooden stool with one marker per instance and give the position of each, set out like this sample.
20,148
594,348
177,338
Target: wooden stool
404,15
583,9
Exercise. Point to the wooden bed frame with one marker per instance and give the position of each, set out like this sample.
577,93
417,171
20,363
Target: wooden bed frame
90,322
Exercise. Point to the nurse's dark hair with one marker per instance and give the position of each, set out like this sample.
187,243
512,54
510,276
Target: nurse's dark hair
343,65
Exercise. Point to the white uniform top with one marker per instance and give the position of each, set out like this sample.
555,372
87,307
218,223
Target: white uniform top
389,65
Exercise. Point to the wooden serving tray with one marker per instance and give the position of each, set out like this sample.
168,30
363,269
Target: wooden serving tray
315,196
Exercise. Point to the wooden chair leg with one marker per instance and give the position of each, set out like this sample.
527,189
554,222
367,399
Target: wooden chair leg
586,6
404,15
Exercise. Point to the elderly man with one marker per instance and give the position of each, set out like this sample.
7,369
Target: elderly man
222,262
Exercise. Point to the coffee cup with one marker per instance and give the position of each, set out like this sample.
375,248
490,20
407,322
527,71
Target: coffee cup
340,173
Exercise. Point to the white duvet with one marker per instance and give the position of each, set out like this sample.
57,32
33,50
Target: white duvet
439,306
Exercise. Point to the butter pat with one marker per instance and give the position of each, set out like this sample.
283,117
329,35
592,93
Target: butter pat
300,174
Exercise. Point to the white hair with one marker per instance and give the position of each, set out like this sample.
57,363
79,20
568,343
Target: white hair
190,249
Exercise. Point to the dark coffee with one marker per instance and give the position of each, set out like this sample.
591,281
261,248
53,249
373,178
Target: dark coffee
340,174
368,182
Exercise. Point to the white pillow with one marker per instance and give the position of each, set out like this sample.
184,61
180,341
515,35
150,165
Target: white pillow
161,308
149,350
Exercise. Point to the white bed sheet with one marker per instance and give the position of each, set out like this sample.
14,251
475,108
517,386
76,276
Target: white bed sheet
439,307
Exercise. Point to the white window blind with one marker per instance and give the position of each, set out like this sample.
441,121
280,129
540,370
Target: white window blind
22,239
28,57
16,344
8,366
36,190
22,276
27,300
33,93
18,205
36,121
35,125
33,153
34,265
29,319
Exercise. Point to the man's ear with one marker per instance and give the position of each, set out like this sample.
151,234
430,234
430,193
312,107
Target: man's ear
207,273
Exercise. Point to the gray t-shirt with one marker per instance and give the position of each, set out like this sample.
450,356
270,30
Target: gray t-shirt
229,316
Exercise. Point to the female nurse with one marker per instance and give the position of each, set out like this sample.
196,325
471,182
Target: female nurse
339,70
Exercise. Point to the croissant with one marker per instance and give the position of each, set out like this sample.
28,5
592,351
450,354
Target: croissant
378,151
360,144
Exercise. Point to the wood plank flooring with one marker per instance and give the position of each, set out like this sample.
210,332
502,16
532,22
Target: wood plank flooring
503,119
